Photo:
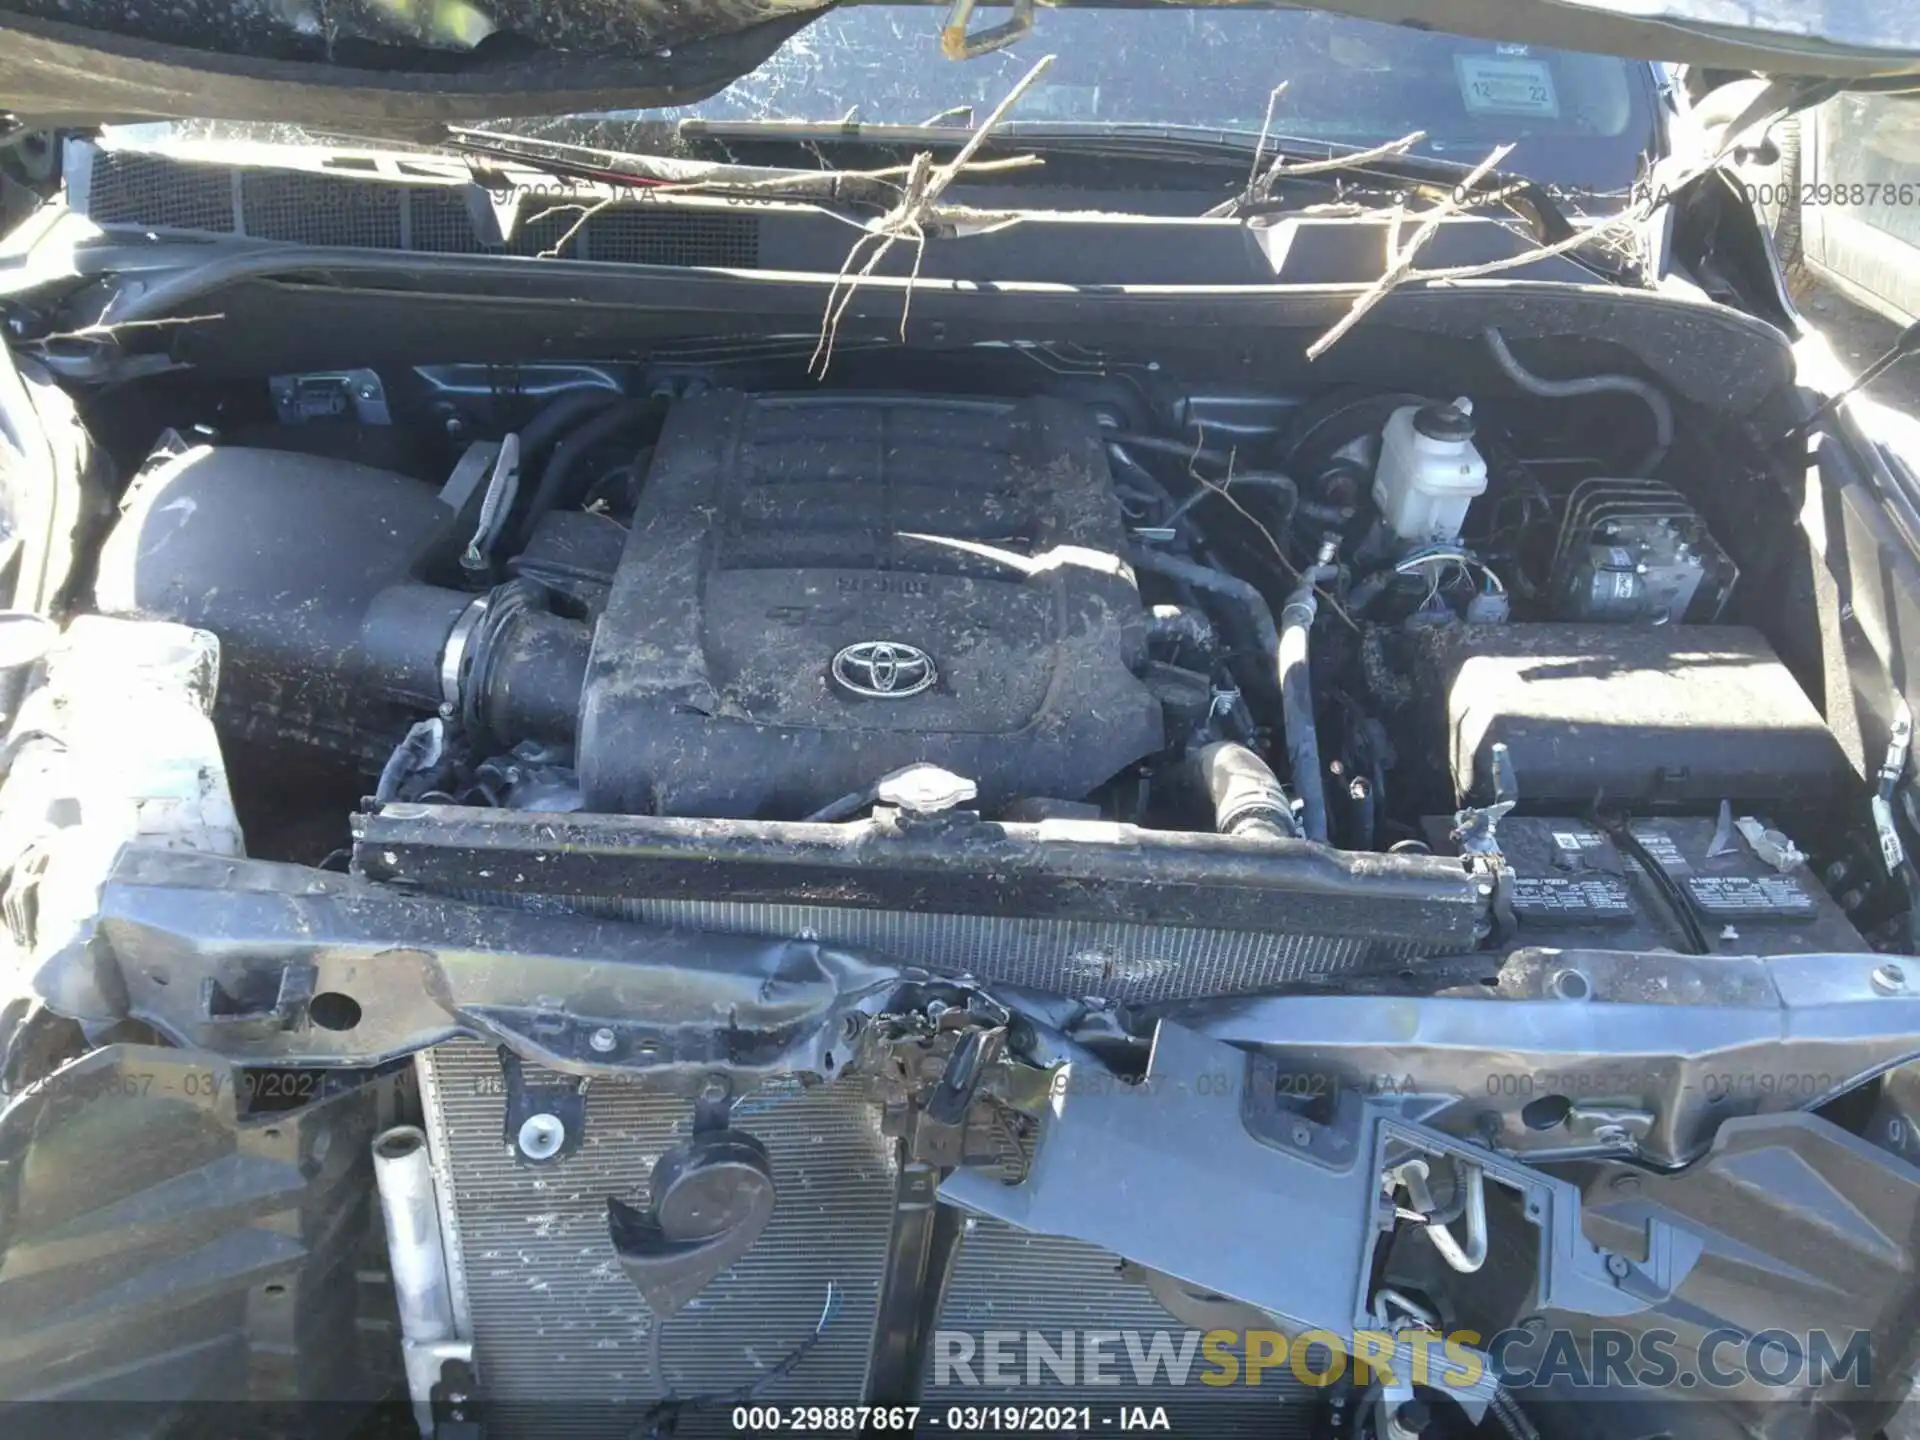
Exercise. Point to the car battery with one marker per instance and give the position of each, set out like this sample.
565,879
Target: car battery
1574,887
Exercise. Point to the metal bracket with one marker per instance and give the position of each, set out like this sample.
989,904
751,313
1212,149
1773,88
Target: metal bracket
329,395
544,1123
1476,833
584,996
503,484
1115,1161
940,1133
1619,1126
958,43
431,1367
1572,1043
1893,852
293,993
1475,829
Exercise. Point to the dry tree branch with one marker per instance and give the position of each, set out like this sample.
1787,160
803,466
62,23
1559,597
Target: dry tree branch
827,180
919,203
1400,268
1384,151
1266,124
1260,186
587,212
944,176
1621,222
1394,223
1223,488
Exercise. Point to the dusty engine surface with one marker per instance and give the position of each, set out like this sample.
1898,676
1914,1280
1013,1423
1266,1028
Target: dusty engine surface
818,590
814,591
737,602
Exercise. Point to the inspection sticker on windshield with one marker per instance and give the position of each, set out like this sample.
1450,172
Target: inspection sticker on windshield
1506,85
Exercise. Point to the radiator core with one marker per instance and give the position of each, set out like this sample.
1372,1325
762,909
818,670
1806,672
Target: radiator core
560,1334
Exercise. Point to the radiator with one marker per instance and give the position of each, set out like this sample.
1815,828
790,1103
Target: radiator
1125,962
560,1334
1008,1281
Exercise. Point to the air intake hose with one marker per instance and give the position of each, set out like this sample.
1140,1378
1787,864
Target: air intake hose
1245,794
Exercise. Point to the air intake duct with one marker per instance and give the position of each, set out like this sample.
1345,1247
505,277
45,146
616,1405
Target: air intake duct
317,576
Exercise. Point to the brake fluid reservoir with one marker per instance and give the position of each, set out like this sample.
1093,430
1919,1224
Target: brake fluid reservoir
1429,471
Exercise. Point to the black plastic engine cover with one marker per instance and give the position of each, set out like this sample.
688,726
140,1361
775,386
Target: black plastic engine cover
774,532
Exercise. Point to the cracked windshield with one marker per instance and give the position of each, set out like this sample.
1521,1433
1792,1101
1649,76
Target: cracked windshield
1580,122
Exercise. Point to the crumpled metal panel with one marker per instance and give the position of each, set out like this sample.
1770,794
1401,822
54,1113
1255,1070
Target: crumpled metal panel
282,964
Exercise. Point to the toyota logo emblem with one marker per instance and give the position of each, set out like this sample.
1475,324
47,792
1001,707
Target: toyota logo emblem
883,670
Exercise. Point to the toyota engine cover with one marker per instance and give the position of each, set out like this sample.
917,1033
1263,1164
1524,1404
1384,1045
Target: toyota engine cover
820,589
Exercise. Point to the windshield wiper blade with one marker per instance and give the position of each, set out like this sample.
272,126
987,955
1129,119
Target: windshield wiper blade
556,158
1145,142
1396,161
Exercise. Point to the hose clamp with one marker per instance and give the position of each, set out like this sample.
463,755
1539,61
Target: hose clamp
453,659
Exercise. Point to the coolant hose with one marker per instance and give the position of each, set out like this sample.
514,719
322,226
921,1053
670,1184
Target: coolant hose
1649,395
559,414
572,448
1191,451
1289,664
1246,796
1177,625
1286,494
1296,709
1231,588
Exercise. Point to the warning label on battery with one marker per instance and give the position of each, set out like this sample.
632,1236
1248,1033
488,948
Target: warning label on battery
1757,896
1574,841
1570,897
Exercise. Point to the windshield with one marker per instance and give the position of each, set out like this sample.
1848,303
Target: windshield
1581,122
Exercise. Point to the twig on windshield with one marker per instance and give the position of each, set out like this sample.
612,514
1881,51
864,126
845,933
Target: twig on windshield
1618,223
829,180
919,181
1259,187
1266,124
1400,266
1386,150
1400,269
919,205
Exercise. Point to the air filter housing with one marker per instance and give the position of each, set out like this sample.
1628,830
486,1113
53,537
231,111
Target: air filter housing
1623,715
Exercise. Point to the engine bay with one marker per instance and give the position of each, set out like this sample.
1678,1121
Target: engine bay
961,624
684,821
1030,761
